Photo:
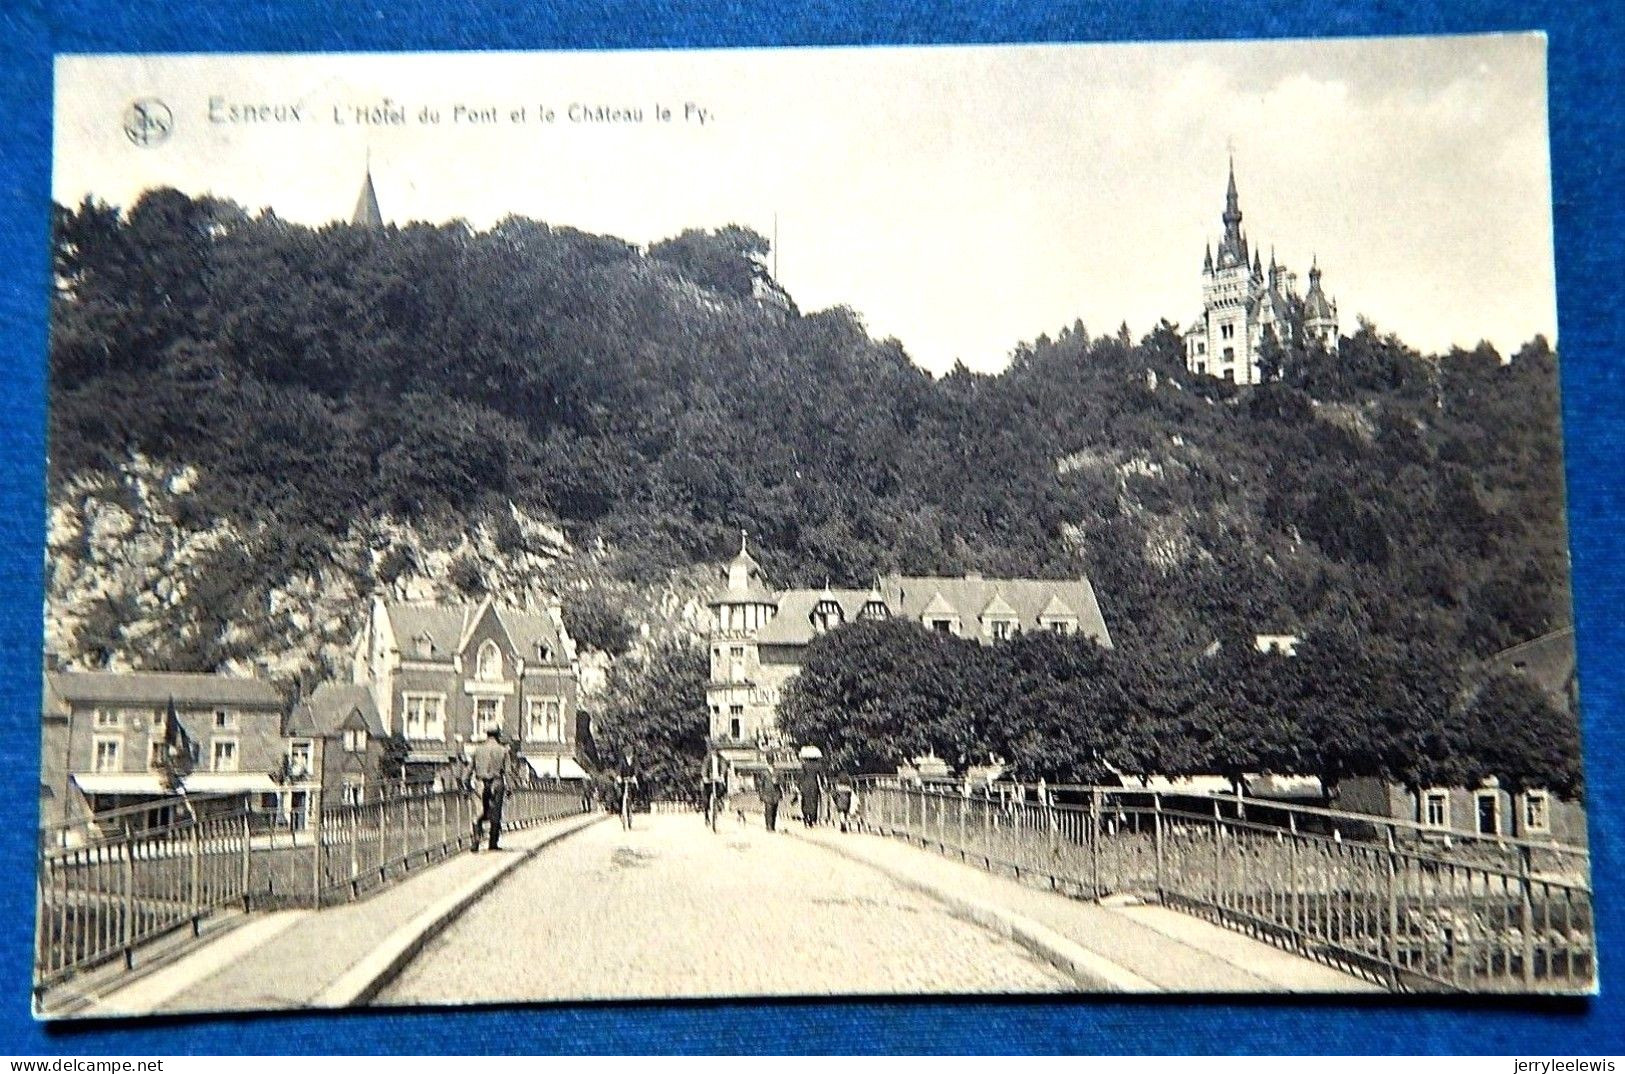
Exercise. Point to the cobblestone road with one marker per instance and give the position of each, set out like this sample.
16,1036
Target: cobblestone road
672,909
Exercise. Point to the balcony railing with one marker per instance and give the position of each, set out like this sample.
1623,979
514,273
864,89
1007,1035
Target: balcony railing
1356,891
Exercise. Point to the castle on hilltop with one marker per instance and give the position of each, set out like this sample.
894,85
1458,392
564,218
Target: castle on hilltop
1242,303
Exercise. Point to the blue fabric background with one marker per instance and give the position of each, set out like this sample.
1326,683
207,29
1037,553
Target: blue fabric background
1586,82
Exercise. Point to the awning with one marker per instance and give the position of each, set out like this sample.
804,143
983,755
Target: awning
556,767
229,782
119,783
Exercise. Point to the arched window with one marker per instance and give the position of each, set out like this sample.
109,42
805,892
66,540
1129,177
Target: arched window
488,666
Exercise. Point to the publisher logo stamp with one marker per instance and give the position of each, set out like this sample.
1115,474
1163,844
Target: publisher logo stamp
148,122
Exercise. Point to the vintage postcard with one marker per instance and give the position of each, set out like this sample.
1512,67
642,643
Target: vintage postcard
966,520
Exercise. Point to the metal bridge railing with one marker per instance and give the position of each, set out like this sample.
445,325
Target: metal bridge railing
1360,892
363,846
119,884
106,896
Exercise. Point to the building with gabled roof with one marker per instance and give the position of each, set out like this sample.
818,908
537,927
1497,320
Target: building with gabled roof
759,635
440,674
336,736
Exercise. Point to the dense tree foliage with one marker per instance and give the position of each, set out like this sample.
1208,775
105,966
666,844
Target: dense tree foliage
876,695
655,708
1522,738
595,621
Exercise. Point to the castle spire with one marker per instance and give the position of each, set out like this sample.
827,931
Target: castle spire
1233,246
366,206
1232,206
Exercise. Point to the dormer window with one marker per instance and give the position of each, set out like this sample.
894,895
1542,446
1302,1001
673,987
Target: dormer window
423,645
543,653
827,616
488,665
875,610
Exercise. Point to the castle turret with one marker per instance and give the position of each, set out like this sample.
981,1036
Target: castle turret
1319,312
1232,206
744,604
741,694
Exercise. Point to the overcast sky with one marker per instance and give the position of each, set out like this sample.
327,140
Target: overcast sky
961,199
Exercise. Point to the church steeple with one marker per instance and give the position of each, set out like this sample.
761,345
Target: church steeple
366,206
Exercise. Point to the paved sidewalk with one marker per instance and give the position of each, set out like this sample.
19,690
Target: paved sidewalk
1129,947
329,957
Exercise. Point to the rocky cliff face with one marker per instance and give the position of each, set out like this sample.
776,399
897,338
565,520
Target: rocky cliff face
136,578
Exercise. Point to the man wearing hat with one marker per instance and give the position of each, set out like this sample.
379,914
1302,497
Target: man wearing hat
491,773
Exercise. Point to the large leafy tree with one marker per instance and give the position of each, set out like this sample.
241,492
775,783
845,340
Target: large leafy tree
1373,707
874,695
654,708
1516,733
1064,713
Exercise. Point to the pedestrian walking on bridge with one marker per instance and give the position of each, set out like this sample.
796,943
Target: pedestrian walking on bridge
812,786
771,794
491,776
713,788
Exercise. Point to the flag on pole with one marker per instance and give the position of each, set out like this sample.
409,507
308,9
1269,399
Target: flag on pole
179,752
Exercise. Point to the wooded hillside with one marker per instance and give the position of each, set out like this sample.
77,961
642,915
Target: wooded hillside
644,404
